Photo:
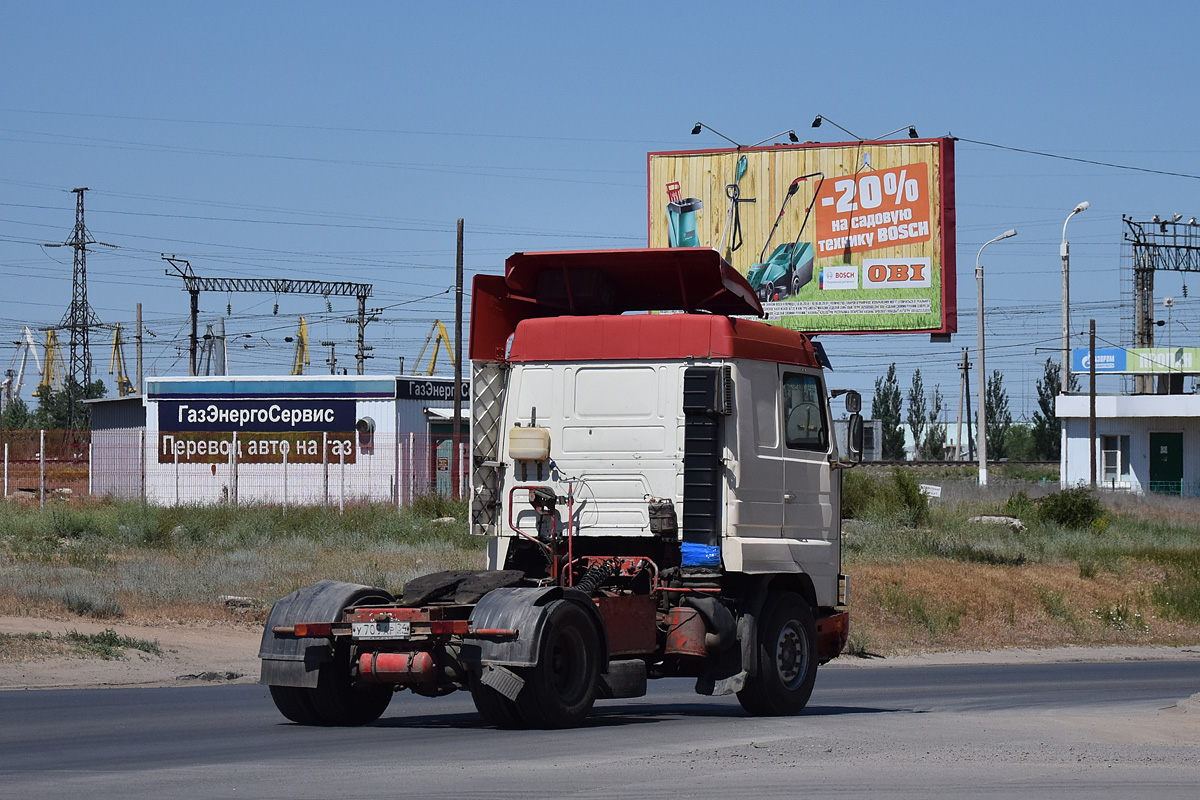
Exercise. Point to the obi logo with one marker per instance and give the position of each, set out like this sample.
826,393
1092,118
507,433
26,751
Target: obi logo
896,273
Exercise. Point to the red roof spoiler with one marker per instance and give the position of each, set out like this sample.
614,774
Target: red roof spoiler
592,282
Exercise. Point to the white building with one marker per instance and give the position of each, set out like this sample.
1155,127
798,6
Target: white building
1144,442
277,439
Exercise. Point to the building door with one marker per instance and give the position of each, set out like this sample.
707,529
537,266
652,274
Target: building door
1166,463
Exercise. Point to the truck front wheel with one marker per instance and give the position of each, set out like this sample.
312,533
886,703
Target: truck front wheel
787,658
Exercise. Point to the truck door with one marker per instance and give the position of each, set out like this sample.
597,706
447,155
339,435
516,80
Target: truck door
758,444
808,491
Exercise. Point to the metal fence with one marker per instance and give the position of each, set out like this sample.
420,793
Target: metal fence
292,469
38,463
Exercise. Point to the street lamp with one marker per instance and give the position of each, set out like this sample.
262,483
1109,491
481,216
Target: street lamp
981,413
1065,251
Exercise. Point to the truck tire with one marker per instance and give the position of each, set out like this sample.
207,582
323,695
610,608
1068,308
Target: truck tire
295,703
495,708
787,658
337,701
560,689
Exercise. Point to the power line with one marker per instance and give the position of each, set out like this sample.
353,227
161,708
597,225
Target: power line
1078,160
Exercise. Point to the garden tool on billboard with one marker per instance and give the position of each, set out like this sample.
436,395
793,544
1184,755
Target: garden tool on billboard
681,217
734,193
790,266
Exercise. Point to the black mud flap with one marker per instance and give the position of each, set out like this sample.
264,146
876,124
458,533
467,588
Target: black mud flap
295,662
523,610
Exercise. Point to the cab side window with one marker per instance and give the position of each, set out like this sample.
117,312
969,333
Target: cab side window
804,413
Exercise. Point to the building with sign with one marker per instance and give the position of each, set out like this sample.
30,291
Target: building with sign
1144,442
286,440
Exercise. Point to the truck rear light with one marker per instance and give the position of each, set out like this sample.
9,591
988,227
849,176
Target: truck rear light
843,590
311,629
449,626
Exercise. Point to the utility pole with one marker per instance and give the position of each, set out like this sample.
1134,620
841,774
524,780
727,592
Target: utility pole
362,320
962,392
970,439
458,320
141,389
1092,396
79,318
332,360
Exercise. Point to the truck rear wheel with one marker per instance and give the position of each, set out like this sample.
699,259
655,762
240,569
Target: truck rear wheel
295,703
495,708
787,658
338,701
560,689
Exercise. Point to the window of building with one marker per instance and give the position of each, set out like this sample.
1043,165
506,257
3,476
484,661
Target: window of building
1114,459
804,413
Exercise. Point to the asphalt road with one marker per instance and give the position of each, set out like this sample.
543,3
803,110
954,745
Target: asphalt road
1032,730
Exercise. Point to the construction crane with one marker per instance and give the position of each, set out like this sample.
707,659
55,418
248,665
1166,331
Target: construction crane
14,376
124,385
52,375
300,361
439,330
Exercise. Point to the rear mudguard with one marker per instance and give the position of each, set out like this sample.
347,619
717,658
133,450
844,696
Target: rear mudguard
523,610
294,662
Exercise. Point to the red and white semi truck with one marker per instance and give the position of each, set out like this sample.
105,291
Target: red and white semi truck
660,493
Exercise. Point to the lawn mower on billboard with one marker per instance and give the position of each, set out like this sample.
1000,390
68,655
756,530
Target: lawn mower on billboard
790,266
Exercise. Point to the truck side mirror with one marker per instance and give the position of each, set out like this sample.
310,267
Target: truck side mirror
854,437
853,402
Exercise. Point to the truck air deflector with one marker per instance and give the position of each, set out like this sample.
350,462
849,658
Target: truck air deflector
592,282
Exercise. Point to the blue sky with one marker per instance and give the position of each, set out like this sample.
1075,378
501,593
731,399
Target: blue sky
343,141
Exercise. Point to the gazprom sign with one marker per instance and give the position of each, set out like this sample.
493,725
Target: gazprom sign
1139,360
1108,359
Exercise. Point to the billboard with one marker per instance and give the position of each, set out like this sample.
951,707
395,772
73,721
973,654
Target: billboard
834,238
1138,360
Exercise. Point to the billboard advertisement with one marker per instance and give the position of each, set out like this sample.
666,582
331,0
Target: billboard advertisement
1138,360
834,238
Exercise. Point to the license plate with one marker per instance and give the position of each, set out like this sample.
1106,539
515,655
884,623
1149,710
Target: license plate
390,629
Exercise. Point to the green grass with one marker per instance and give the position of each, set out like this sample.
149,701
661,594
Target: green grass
107,645
1178,595
99,559
936,619
1055,604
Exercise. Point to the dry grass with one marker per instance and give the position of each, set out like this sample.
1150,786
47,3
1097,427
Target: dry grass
107,561
1036,605
946,584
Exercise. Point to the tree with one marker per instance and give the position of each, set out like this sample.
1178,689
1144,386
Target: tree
16,416
999,419
1046,434
52,405
934,446
1020,443
917,413
885,407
